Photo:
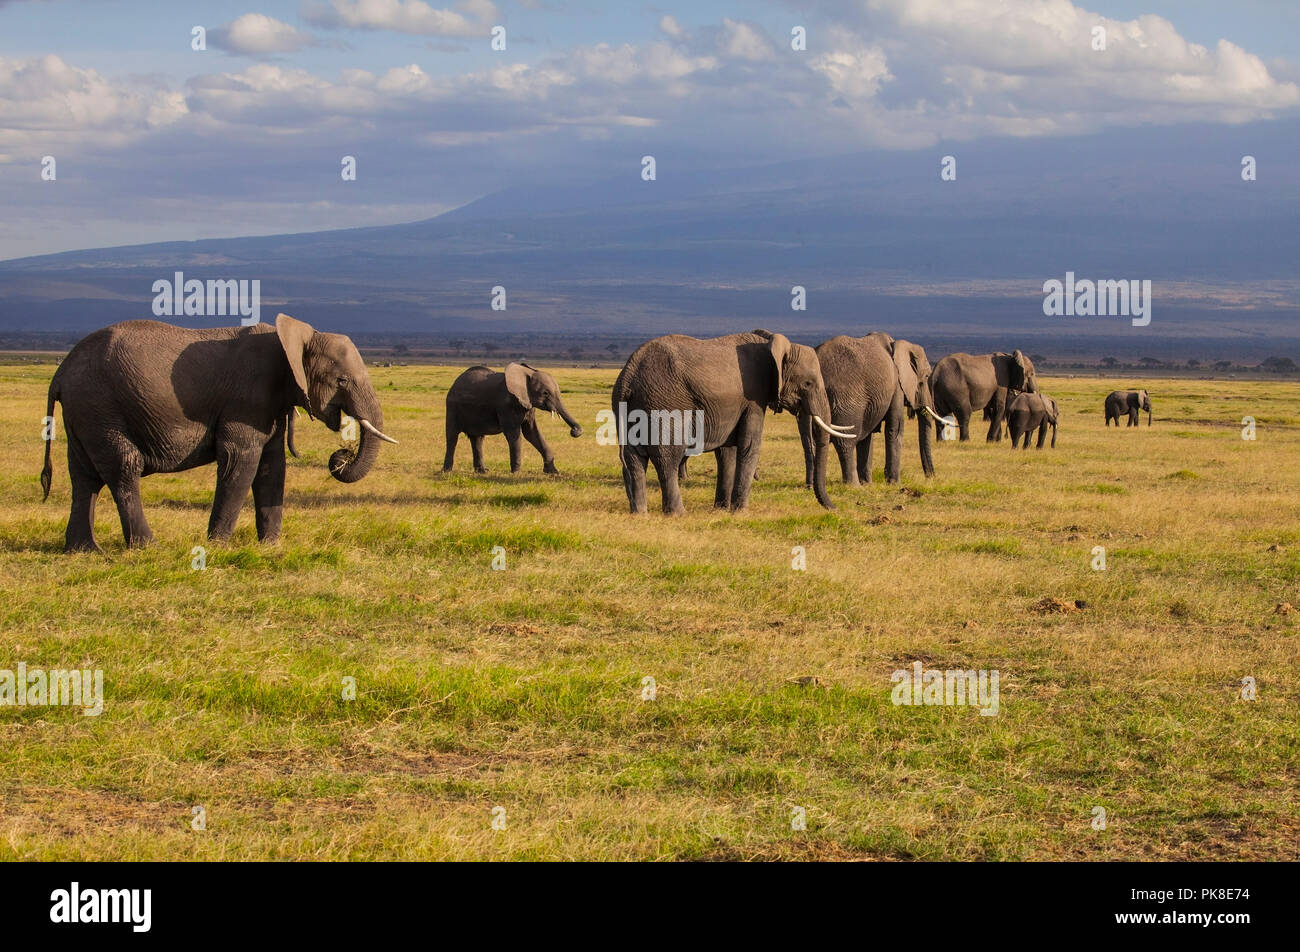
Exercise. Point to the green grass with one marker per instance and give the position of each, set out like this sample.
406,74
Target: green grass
522,688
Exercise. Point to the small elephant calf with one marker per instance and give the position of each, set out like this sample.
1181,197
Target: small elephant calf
483,402
1029,412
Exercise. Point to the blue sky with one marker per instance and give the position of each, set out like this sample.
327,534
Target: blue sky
154,141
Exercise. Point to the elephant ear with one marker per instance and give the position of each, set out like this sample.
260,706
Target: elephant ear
908,379
779,348
1020,373
517,383
294,335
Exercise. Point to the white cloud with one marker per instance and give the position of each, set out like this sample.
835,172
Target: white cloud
258,34
469,18
46,103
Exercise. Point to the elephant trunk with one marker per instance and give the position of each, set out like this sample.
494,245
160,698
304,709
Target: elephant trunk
821,407
819,470
575,429
347,466
1148,415
925,411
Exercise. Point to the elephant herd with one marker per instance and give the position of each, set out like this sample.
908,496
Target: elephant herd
143,397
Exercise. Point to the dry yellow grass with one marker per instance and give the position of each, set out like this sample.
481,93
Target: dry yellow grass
522,688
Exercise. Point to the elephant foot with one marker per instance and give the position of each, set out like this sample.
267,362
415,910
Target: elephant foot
481,470
73,546
550,470
446,469
140,542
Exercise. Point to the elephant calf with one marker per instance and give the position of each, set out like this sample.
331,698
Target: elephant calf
1128,402
143,397
1029,412
483,402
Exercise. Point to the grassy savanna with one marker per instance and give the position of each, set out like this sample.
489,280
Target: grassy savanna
522,688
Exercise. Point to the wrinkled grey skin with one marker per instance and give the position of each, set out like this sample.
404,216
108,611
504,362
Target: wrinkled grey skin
143,397
1128,403
734,380
964,384
1029,412
871,381
483,402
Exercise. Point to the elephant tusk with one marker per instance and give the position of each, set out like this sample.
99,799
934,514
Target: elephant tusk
842,432
387,439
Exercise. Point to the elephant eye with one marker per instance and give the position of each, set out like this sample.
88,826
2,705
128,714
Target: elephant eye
343,381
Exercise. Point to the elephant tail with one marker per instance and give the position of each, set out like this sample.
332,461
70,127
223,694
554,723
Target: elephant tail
47,472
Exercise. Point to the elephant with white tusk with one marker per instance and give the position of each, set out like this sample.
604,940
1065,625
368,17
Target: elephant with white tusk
872,381
964,384
143,397
728,384
483,402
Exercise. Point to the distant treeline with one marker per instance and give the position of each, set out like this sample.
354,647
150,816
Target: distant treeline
602,351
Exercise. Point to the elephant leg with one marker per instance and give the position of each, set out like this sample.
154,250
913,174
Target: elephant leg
748,443
516,445
962,413
845,450
453,437
124,484
1042,436
726,457
863,451
533,434
681,470
894,441
268,490
634,480
476,447
86,484
235,474
999,414
669,490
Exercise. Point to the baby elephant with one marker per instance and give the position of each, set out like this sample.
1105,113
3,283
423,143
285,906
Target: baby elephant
1130,402
1030,411
483,402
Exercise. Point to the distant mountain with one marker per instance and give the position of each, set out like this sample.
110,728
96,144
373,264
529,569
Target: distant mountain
877,239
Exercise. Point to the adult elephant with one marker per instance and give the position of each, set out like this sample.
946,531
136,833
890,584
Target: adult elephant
714,393
484,402
964,384
143,397
1029,412
1128,402
871,381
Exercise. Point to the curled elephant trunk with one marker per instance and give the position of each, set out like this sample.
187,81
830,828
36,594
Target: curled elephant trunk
348,466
